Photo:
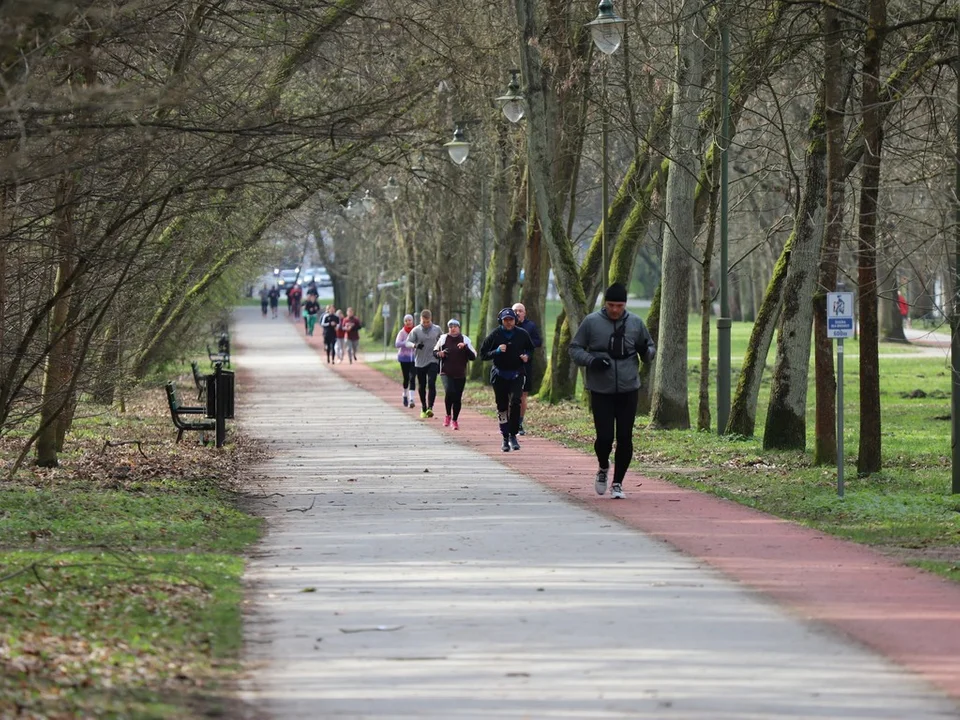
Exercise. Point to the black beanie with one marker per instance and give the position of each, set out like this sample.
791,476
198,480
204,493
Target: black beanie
615,293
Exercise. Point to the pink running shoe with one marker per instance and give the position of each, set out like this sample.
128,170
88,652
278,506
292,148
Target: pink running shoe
446,421
456,425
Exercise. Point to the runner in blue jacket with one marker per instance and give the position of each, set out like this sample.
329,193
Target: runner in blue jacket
510,348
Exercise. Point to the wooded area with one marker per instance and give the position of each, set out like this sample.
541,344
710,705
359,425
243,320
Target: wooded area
155,153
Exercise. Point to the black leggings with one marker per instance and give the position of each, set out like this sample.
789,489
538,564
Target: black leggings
508,394
427,380
618,409
453,394
330,344
409,376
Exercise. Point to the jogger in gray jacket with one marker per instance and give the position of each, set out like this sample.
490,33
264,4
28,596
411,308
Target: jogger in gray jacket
610,344
422,339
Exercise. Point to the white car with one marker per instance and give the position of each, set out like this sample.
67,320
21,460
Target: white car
318,275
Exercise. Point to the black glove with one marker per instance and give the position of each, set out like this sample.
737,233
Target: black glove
420,346
599,363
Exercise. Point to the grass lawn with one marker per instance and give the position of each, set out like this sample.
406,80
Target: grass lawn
906,510
120,572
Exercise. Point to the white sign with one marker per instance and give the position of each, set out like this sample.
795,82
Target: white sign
386,310
840,315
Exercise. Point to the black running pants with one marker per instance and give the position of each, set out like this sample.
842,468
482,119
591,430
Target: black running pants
453,394
613,417
409,375
427,380
508,394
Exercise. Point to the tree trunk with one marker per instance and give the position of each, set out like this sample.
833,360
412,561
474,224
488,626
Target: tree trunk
706,302
560,379
786,426
743,409
548,140
645,397
533,296
478,368
670,406
161,332
55,380
825,443
107,373
868,459
891,321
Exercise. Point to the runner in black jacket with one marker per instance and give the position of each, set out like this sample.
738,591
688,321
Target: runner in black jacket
510,348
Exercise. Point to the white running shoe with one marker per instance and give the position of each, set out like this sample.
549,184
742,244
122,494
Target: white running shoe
600,484
616,492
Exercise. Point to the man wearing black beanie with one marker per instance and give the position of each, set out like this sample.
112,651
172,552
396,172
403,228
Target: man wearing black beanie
610,343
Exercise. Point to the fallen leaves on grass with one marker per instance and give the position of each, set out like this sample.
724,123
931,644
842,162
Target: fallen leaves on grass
127,451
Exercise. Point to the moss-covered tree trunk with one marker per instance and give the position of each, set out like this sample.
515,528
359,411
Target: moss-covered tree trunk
743,409
647,369
706,306
786,414
533,296
555,125
477,367
163,329
560,378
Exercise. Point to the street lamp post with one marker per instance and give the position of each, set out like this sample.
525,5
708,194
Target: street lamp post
391,193
419,170
955,314
607,32
511,103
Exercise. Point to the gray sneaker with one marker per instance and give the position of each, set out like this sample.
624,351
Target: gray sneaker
616,492
600,483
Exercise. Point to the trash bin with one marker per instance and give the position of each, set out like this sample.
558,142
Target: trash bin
226,388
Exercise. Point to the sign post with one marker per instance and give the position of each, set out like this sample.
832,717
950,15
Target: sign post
385,313
840,326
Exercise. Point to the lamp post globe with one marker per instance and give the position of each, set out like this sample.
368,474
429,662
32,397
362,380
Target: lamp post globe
511,103
391,191
607,28
458,148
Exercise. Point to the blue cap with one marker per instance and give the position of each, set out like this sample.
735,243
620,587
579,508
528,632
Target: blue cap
507,313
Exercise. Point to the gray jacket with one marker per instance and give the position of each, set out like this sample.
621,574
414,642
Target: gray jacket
428,338
593,340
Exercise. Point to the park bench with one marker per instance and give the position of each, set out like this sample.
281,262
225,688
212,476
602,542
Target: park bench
178,410
222,353
199,379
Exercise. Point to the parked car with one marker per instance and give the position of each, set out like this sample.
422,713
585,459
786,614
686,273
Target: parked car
318,275
286,278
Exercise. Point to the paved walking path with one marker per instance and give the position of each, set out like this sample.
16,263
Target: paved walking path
411,571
